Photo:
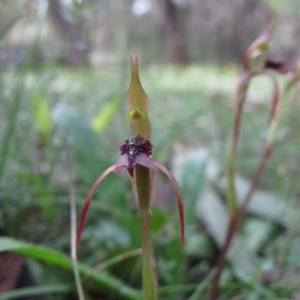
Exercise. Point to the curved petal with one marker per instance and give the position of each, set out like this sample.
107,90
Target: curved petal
140,159
121,163
89,199
178,194
144,160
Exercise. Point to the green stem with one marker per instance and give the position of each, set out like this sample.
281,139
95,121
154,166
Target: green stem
148,278
78,281
240,99
143,187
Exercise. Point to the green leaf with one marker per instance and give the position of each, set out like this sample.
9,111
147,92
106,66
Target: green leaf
258,232
211,210
59,259
198,245
101,120
37,290
158,219
42,115
267,205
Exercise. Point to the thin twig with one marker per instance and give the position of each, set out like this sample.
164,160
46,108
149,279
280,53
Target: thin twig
73,223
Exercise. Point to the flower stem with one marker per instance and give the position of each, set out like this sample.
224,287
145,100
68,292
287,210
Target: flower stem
143,187
241,91
148,277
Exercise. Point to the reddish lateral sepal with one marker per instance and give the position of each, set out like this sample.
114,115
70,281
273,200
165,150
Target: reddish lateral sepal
178,195
89,199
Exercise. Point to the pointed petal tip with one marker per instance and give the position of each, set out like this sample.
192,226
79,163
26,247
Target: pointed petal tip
259,45
134,64
136,95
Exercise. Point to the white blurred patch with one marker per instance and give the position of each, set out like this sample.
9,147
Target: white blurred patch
140,7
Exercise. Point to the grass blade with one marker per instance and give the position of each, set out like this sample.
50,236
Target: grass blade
32,291
56,258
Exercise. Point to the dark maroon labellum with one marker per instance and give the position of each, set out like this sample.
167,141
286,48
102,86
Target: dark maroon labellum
135,146
278,66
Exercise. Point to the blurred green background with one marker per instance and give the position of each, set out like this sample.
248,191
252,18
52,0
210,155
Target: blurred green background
64,73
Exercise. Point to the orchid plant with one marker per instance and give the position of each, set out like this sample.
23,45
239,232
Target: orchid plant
258,47
136,157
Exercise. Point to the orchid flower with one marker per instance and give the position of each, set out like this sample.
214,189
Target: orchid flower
136,157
